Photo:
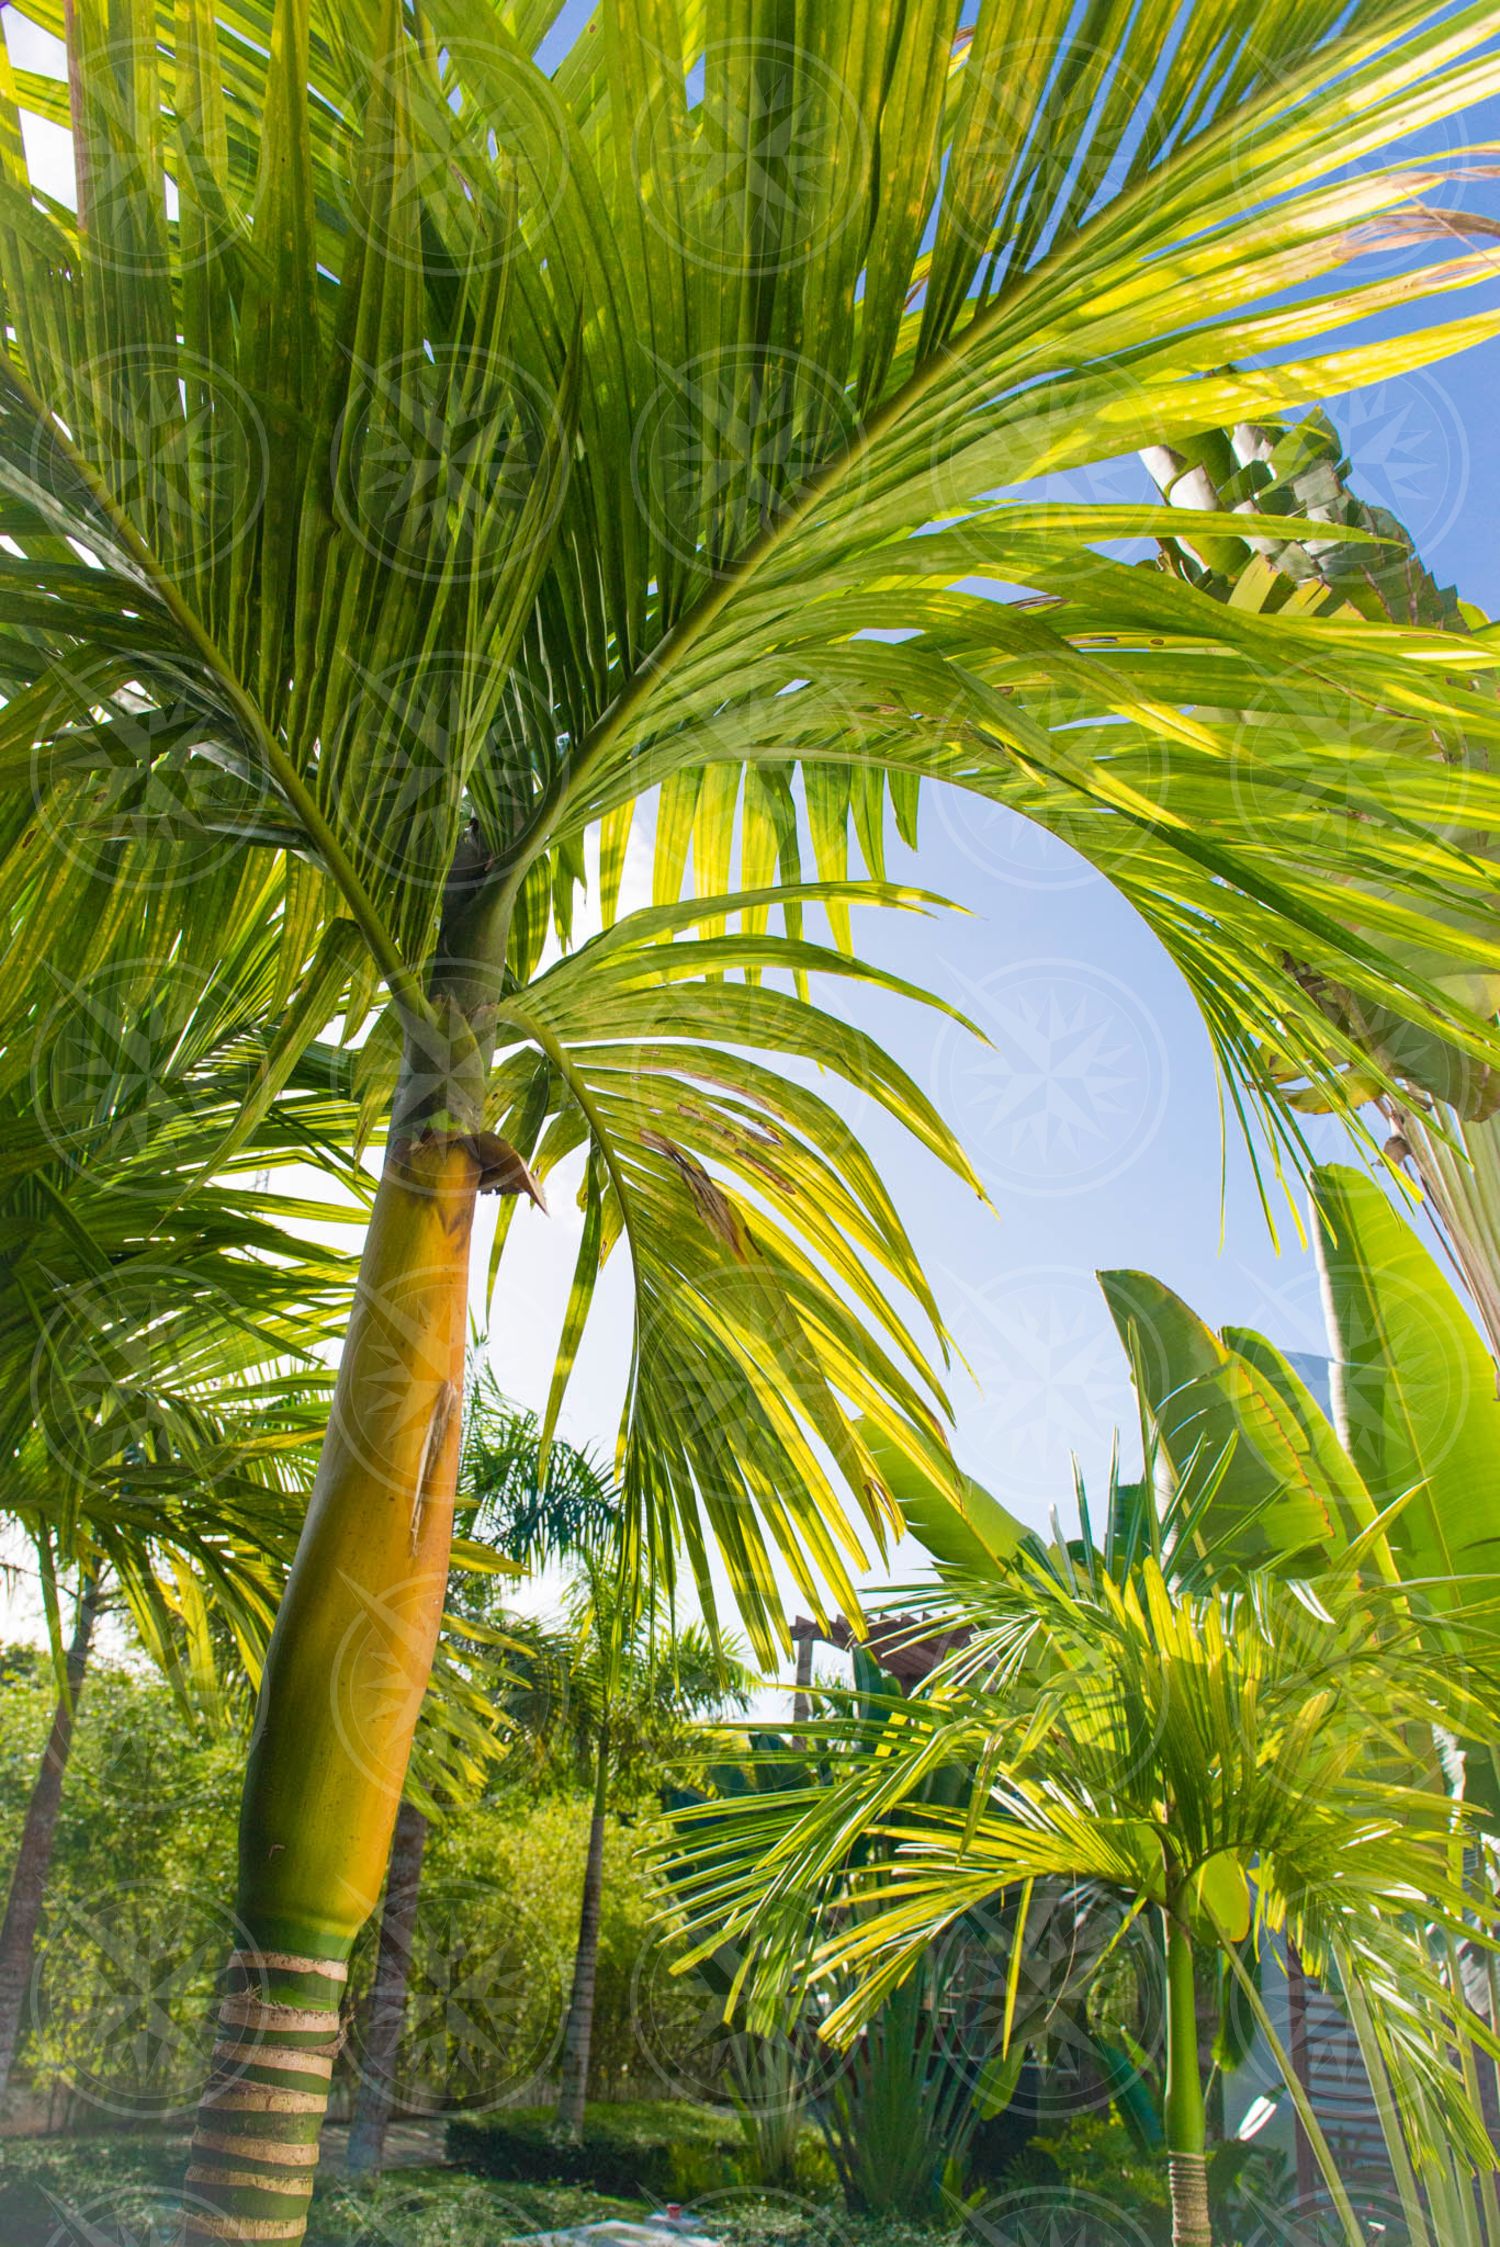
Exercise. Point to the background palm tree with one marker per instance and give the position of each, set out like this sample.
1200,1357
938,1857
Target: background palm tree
395,439
165,1380
612,1705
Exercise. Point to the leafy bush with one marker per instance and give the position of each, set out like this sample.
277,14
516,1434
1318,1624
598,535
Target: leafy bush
661,2149
139,1903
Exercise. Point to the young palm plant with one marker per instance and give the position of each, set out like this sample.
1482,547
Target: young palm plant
1231,1761
460,450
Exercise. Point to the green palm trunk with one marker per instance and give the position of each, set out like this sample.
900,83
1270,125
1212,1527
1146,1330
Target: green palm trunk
344,1680
1185,2117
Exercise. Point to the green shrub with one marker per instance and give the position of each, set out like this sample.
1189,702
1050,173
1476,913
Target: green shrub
657,2148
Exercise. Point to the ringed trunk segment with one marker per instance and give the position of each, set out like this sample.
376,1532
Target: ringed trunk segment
345,1675
1184,2115
255,2149
1188,2181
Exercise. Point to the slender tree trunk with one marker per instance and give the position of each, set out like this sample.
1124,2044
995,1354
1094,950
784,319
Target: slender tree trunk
387,2009
345,1674
802,1698
1185,2118
28,1880
579,2033
1296,2014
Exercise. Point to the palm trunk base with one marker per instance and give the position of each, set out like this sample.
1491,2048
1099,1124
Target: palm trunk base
1188,2174
255,2150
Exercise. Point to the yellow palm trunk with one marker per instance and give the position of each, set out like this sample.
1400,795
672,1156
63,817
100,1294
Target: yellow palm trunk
346,1672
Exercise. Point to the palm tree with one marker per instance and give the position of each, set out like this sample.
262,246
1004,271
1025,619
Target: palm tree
1228,1761
530,1507
617,1699
163,1378
464,449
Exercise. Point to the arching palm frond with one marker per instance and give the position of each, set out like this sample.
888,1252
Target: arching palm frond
469,447
1176,1748
164,1343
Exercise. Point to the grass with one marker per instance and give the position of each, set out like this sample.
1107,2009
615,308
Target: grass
119,2189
